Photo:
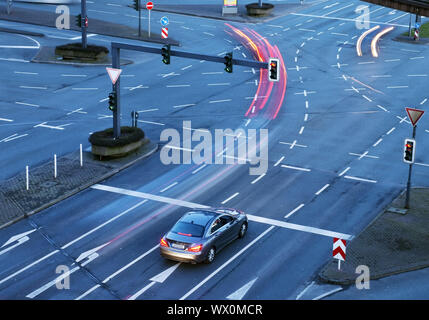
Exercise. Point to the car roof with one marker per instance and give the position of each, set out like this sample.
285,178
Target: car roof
199,217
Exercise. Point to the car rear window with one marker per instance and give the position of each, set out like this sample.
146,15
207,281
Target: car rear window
188,229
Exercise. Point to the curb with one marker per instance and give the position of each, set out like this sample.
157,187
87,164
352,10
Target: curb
27,33
83,187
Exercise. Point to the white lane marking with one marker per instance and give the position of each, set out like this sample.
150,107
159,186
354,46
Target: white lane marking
193,205
152,122
301,130
326,14
19,239
74,75
417,75
14,60
344,171
392,60
79,110
200,168
414,58
102,100
296,168
366,62
382,108
360,179
219,84
218,101
209,34
424,101
391,130
38,88
306,104
340,34
294,210
177,85
214,72
45,125
28,266
378,141
364,96
13,137
294,144
140,292
240,293
230,198
258,178
118,272
306,117
184,105
187,67
365,154
397,87
304,291
397,17
7,120
169,187
148,110
327,293
422,164
225,264
279,161
382,76
24,72
322,189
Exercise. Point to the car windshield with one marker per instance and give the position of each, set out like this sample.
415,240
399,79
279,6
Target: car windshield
188,229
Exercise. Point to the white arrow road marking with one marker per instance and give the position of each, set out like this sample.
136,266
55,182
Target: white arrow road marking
19,239
159,278
240,293
90,255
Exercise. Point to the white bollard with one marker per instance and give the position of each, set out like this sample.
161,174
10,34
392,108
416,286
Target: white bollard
81,158
26,177
55,165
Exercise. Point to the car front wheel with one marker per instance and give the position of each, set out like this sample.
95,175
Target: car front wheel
243,230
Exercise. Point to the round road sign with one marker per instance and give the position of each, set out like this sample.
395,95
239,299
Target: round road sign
164,21
149,5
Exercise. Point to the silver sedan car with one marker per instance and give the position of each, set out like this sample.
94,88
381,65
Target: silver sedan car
201,233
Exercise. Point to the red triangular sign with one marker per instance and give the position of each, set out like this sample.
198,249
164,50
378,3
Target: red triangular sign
414,115
114,74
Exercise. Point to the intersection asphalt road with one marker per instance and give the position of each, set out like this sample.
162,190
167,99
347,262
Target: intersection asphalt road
335,151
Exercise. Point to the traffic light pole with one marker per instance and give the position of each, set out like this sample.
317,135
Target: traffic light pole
407,197
140,19
116,46
83,19
117,90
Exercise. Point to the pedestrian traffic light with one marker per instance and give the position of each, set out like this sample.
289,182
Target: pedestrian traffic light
409,150
136,5
273,69
166,54
112,101
86,22
79,20
228,62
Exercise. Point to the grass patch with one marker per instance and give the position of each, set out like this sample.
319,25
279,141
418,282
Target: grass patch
424,31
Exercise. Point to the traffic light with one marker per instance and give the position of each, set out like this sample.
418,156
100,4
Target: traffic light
409,150
166,54
136,5
86,22
228,62
273,71
79,20
112,101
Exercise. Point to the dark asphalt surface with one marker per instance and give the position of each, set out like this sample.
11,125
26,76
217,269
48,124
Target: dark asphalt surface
337,107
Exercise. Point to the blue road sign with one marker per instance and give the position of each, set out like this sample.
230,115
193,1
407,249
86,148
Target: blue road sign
417,26
164,21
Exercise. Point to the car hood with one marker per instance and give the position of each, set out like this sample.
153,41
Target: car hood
180,238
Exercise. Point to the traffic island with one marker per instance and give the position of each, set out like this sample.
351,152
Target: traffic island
105,146
254,9
75,51
423,35
396,241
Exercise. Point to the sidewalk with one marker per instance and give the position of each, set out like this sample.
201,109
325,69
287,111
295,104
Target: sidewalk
46,18
393,243
44,190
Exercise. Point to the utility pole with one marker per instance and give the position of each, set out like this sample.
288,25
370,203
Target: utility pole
407,197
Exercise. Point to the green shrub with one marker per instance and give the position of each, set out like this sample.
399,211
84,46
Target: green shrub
105,138
78,47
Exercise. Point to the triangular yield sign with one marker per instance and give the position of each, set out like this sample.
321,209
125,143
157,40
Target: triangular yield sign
114,74
414,115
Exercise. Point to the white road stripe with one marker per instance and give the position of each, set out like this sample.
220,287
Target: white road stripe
328,293
169,187
184,105
278,162
378,141
360,179
258,178
344,171
200,168
322,189
391,130
230,198
24,72
294,210
295,168
152,122
178,85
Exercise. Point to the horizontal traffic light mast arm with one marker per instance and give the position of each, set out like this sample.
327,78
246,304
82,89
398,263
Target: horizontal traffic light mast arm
189,55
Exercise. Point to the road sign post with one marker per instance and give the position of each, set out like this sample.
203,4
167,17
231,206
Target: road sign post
414,115
149,7
339,251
